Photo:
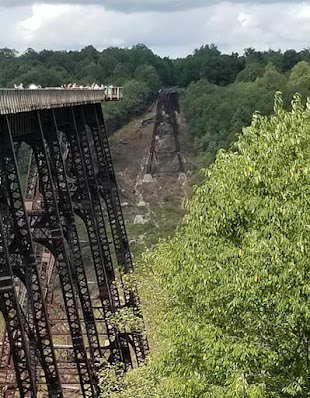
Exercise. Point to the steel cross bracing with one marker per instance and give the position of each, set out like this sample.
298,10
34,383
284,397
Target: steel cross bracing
109,192
40,242
67,217
166,108
22,249
92,215
64,263
10,308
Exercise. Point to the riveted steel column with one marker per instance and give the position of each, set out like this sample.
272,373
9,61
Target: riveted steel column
91,213
172,105
109,192
167,101
23,246
62,255
10,309
51,135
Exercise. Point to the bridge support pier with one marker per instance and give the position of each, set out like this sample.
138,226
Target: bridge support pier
9,306
21,249
71,174
64,261
109,192
166,108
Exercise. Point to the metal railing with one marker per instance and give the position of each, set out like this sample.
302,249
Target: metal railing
25,100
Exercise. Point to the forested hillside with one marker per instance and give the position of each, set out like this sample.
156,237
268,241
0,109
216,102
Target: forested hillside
228,297
229,88
118,65
217,113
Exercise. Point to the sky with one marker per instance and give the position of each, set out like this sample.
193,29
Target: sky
171,28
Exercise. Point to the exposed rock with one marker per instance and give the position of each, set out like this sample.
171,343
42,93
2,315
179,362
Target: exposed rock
147,178
139,220
182,177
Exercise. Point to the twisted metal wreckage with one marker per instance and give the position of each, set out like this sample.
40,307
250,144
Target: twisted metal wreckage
166,129
54,348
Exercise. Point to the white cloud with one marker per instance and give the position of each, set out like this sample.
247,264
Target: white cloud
139,5
246,20
63,26
304,12
42,16
232,26
122,5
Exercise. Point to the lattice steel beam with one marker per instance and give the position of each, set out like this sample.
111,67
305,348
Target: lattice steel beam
109,191
51,135
169,103
23,247
61,251
9,307
64,177
88,200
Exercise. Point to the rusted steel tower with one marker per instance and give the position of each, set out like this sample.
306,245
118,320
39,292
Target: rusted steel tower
54,348
165,144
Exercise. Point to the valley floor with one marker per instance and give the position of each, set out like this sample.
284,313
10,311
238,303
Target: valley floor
156,205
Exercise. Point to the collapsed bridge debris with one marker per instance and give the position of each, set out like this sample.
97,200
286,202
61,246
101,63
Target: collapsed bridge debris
165,146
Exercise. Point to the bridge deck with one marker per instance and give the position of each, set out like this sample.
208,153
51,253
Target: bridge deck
15,101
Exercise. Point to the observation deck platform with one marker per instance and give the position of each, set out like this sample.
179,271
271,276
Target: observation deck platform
13,101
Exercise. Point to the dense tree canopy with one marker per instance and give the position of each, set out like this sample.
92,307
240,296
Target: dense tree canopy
236,322
217,113
231,86
111,66
118,65
239,271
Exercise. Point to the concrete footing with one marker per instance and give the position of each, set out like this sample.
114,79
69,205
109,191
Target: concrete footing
147,178
182,177
138,219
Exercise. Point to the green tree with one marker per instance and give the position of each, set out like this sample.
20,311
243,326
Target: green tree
148,75
136,95
123,71
251,72
290,58
272,79
300,75
6,53
237,271
43,76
